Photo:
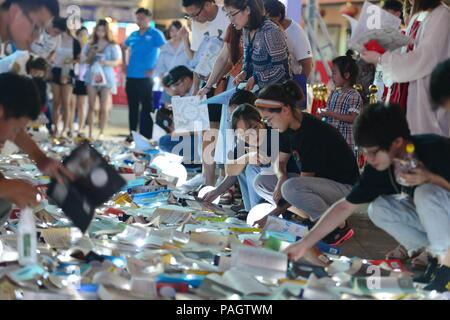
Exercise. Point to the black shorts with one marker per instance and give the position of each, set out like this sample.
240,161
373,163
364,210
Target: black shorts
80,88
214,110
56,77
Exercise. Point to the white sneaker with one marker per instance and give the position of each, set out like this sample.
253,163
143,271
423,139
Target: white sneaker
193,183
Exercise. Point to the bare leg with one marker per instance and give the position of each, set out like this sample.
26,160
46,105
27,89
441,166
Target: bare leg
71,115
56,107
446,259
105,105
209,166
81,101
66,95
92,94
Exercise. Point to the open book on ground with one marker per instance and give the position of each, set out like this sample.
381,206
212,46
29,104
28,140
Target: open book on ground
261,262
189,115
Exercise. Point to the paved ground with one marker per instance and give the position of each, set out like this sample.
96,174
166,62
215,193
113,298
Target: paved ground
369,242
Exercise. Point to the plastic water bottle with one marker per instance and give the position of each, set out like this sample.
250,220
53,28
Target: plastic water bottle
26,238
407,164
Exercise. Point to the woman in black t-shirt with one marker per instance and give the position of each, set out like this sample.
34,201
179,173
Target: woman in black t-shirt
252,155
328,165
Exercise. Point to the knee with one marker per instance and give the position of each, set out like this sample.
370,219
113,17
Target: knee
379,211
258,183
291,188
164,143
426,194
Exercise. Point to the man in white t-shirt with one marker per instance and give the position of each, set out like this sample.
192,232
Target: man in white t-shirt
297,40
208,19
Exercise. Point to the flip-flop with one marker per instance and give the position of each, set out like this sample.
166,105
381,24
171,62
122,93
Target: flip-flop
399,253
227,198
420,262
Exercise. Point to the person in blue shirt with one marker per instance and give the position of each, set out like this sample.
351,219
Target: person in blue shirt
142,50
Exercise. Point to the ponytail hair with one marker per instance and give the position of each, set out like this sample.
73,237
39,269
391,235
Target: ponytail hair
347,64
247,113
288,93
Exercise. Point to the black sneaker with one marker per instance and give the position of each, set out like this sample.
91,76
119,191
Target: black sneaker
441,282
339,235
129,139
429,273
299,220
242,215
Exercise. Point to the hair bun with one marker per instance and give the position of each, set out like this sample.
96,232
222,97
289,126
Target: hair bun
351,54
293,90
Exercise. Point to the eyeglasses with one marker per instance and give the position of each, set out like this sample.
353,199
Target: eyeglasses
231,15
37,29
176,84
195,16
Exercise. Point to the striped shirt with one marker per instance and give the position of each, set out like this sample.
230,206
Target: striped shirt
266,56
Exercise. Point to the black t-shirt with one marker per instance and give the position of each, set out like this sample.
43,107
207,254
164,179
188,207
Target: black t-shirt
321,149
432,150
266,149
42,89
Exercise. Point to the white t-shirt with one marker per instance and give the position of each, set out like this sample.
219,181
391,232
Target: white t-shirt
299,46
215,28
45,45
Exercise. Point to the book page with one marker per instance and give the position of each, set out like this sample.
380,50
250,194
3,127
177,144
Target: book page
207,55
173,217
141,142
260,261
276,224
377,24
189,115
242,282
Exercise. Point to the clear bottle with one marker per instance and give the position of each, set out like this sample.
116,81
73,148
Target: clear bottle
407,164
27,238
411,158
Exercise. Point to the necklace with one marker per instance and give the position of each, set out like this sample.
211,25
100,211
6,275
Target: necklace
400,193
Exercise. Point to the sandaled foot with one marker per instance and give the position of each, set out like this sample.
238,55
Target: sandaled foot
399,253
420,262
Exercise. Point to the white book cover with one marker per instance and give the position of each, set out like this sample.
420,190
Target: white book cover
374,23
189,114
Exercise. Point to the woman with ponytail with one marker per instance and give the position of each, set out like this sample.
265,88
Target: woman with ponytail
344,103
327,164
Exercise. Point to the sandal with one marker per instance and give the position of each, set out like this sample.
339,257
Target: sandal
399,253
242,215
420,262
227,198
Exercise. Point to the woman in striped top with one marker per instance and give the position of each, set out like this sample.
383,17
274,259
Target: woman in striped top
266,55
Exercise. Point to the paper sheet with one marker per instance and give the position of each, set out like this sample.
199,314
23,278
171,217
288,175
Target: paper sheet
283,226
189,115
207,55
57,237
170,216
243,282
377,24
259,261
141,142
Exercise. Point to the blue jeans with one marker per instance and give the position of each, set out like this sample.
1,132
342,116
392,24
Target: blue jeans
246,181
168,144
419,222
